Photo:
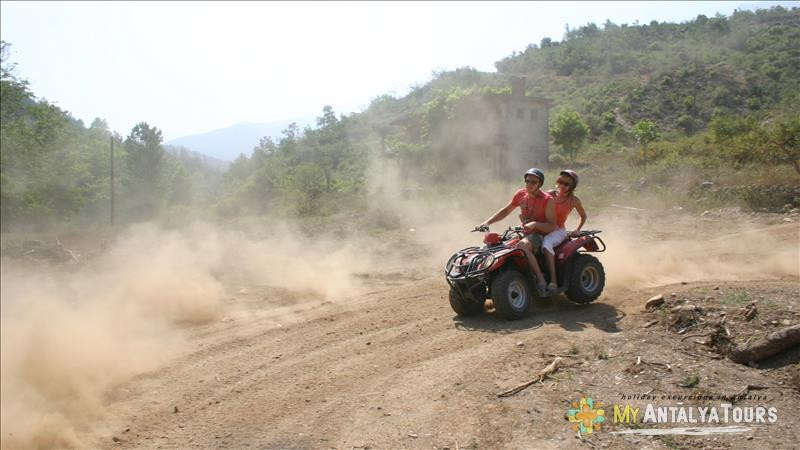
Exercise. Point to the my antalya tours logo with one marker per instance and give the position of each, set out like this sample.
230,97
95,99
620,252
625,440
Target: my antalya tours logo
588,415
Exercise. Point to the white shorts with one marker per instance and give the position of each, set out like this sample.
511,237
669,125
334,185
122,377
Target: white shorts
552,240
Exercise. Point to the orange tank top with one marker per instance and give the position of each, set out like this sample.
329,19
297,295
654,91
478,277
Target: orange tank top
562,211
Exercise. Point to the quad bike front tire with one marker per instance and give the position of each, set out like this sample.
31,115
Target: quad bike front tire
587,279
463,307
511,295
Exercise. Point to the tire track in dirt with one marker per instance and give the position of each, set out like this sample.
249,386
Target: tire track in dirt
389,368
321,381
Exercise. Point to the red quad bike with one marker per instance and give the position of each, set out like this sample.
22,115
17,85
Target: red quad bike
499,271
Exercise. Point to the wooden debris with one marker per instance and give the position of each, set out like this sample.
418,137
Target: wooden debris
657,364
559,355
707,355
682,309
698,335
684,316
650,324
749,311
742,393
654,302
775,343
550,369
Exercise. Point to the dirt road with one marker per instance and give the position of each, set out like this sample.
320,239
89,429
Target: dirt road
394,367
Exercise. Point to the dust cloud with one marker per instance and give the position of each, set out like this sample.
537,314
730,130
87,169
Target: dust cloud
646,248
437,219
70,334
645,251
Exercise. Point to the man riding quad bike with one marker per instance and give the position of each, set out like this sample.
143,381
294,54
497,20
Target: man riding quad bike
501,272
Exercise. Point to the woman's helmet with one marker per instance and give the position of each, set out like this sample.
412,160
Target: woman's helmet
535,172
573,175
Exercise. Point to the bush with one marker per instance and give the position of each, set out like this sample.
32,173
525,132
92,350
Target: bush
556,159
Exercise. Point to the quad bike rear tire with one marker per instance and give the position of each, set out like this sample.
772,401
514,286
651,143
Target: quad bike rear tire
587,279
511,295
463,307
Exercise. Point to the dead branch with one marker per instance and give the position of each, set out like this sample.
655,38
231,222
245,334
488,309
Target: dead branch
699,335
658,364
517,389
748,388
749,311
696,355
559,355
550,369
742,393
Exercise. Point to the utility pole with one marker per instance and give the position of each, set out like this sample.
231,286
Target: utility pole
112,180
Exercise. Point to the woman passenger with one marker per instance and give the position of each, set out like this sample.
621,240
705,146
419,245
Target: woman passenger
565,201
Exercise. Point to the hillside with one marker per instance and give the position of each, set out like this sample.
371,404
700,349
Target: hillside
662,105
680,75
705,98
203,159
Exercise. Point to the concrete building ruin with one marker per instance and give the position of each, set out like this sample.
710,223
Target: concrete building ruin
494,136
524,131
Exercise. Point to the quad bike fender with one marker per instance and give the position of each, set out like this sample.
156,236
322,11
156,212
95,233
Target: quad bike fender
514,256
569,248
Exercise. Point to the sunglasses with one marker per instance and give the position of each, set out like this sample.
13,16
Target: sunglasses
565,183
532,181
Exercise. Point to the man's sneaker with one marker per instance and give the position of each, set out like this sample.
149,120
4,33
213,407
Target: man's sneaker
552,289
541,290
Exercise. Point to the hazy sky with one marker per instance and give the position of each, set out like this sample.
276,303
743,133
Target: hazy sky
191,67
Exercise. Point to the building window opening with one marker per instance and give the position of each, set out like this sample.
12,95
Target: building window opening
534,115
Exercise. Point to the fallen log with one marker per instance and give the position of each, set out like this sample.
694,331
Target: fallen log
775,343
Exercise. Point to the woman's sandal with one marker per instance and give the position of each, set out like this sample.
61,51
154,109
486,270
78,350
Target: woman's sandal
541,290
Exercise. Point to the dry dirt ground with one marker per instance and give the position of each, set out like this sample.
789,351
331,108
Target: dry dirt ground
396,368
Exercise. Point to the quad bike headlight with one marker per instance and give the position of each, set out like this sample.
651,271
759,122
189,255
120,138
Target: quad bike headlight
486,263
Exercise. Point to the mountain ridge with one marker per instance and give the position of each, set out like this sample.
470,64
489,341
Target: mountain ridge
229,143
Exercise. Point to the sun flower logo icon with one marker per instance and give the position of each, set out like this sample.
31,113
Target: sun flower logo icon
586,415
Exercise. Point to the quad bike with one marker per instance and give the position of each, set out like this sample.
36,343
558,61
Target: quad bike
499,271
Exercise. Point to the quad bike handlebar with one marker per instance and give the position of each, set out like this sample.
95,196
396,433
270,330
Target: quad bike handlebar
518,229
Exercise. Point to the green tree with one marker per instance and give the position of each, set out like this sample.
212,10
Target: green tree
783,144
569,131
145,151
143,159
645,132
